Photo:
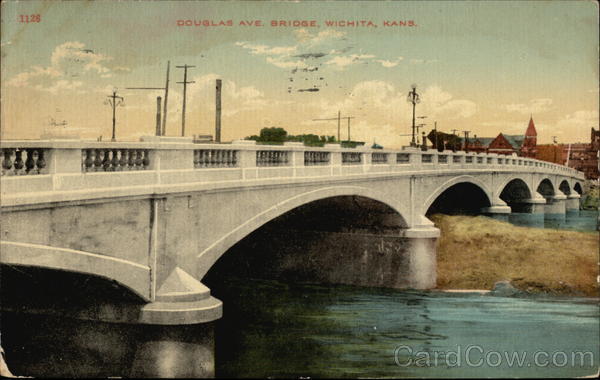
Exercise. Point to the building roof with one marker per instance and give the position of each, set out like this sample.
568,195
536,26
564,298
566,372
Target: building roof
531,128
515,140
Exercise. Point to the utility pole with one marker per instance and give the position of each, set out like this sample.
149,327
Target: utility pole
158,104
166,89
218,112
114,101
338,118
413,98
164,122
185,83
339,133
348,117
466,140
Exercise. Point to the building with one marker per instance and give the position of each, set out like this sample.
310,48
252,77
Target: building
580,156
523,145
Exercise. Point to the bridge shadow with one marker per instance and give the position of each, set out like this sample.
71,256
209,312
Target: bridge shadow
463,198
279,283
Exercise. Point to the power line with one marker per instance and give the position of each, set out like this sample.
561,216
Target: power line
166,90
185,83
339,118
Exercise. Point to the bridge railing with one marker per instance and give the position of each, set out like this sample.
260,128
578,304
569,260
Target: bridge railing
41,166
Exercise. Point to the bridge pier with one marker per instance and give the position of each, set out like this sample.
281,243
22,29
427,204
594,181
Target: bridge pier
173,336
498,211
556,207
531,213
572,204
422,256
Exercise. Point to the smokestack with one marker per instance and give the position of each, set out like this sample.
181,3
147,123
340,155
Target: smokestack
158,104
218,112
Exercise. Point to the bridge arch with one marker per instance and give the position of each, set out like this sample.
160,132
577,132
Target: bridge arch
210,255
470,181
546,188
135,277
515,192
578,189
565,187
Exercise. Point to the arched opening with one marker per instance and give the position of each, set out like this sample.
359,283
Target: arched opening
515,193
577,188
52,323
279,249
278,283
464,198
564,187
546,189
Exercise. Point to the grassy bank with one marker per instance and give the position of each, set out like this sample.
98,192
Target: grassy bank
475,252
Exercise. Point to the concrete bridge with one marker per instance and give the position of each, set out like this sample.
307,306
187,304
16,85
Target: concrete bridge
152,217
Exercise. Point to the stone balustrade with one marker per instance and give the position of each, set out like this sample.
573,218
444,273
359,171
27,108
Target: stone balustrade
114,160
215,158
19,161
63,165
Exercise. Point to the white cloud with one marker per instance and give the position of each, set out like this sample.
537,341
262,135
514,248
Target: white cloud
387,64
437,102
308,38
534,106
71,65
342,61
267,50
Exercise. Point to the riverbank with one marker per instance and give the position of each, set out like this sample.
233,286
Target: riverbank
477,252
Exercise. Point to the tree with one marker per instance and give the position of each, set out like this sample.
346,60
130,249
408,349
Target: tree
273,134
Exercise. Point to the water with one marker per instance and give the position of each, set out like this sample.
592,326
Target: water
273,329
581,220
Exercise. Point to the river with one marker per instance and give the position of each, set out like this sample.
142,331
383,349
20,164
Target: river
274,329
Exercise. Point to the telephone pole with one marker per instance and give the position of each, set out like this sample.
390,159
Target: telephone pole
166,89
218,111
339,118
466,140
164,121
413,98
185,83
114,101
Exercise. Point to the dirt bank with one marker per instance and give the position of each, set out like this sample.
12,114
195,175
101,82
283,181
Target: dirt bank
476,252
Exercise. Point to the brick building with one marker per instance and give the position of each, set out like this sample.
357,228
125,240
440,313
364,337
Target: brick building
523,145
580,156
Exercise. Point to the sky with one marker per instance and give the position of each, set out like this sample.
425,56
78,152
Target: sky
481,66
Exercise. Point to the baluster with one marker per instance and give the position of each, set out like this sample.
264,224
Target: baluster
123,159
196,159
130,159
139,162
234,157
219,157
29,163
115,160
88,162
7,162
106,160
41,161
18,161
97,160
146,160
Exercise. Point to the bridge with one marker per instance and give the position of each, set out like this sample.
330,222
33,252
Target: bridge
151,218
